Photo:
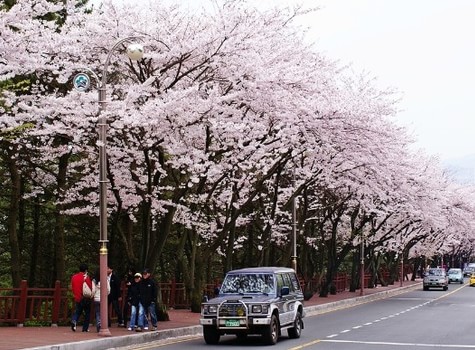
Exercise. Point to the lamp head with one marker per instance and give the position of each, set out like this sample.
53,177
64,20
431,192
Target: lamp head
135,52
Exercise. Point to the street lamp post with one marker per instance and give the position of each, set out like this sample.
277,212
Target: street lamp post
294,230
135,52
402,270
362,265
294,238
81,83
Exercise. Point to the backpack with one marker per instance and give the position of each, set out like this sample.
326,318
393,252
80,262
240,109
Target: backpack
86,290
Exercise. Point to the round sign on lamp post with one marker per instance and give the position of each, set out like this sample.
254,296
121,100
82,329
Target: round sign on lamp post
81,82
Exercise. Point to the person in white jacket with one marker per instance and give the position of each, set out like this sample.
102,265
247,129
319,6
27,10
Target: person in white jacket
96,285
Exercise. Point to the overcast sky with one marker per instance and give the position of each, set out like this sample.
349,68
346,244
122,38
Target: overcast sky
424,48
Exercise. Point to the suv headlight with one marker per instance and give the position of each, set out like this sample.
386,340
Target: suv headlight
256,309
260,309
210,309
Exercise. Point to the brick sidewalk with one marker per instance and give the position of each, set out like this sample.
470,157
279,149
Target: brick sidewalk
31,337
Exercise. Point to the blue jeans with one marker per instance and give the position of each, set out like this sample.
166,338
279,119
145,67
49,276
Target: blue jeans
97,309
83,306
133,315
150,310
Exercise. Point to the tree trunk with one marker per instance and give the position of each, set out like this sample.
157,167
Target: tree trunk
15,190
355,269
328,286
59,253
198,289
146,228
35,242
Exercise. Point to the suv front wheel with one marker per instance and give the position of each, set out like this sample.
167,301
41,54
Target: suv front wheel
271,333
296,330
211,335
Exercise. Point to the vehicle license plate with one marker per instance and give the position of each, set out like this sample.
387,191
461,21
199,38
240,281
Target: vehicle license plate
232,323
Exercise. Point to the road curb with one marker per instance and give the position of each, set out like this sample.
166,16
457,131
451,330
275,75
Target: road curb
125,340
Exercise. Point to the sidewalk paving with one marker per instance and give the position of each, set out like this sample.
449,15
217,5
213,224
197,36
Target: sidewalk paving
182,323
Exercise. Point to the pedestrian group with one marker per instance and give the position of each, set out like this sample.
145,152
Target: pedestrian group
142,294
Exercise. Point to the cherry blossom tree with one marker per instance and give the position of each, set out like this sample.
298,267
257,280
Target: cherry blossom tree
229,119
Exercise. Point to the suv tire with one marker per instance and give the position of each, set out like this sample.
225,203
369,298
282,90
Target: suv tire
271,333
296,330
211,335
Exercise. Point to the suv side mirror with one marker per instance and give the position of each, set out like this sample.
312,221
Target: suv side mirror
285,291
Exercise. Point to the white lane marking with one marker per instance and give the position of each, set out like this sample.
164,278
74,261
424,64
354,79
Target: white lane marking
460,346
410,298
396,314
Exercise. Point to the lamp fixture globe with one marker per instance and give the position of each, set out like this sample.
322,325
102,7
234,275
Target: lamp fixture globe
135,51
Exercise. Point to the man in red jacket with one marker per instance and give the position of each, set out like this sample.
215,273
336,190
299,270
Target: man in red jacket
82,304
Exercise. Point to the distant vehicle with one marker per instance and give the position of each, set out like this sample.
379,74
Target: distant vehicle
259,300
472,280
469,269
455,275
435,278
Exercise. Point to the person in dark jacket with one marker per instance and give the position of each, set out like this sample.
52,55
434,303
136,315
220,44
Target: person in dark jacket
129,279
148,297
133,298
114,296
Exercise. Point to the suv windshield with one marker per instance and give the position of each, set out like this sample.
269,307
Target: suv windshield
248,283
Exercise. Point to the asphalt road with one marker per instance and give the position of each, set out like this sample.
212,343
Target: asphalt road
418,319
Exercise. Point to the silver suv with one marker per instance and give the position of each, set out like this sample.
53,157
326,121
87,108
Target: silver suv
435,277
258,300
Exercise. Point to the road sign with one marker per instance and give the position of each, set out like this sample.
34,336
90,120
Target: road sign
81,82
